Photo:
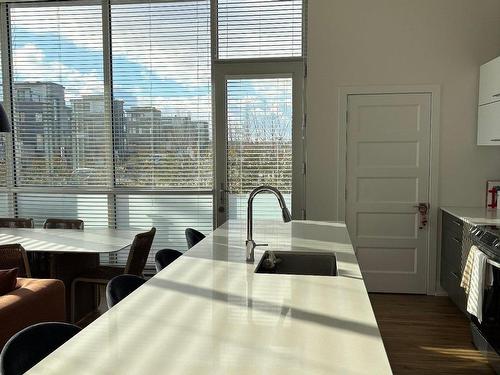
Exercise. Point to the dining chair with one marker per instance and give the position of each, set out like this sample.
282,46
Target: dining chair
32,344
164,257
53,223
120,287
193,237
14,255
136,261
16,222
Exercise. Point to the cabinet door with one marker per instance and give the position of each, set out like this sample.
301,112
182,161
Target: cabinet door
451,257
488,125
489,82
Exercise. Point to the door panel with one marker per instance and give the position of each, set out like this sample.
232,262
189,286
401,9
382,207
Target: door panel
388,146
380,154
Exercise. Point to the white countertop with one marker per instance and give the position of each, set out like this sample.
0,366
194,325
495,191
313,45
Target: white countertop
475,215
209,313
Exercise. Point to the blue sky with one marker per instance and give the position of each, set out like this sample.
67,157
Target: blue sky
145,81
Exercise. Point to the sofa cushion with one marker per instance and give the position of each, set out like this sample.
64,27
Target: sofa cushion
8,280
34,301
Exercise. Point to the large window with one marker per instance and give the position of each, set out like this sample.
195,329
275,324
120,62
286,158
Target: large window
161,82
112,107
61,137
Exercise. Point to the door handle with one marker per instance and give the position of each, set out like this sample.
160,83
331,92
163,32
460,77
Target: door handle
423,209
222,196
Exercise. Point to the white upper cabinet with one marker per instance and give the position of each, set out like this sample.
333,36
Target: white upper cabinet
488,130
489,82
488,122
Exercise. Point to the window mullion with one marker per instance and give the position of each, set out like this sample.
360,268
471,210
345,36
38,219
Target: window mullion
7,103
108,107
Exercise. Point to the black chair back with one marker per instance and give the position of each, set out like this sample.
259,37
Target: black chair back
164,257
120,287
29,346
63,224
16,222
139,251
14,256
193,237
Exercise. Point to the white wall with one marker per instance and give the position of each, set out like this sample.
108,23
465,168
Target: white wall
401,42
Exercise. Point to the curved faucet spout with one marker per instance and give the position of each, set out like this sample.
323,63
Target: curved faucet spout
250,243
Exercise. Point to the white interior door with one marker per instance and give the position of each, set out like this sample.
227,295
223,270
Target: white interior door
388,165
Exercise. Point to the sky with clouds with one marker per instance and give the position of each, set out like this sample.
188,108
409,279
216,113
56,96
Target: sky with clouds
161,54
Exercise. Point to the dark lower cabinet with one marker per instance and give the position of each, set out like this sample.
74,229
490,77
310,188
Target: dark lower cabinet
454,234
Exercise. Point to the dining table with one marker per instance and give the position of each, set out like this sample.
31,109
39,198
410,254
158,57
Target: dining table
65,253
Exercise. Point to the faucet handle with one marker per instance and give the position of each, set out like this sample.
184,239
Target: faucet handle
261,244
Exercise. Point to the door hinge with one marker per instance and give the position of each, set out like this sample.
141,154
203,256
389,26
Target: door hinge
305,70
304,168
304,123
346,117
303,213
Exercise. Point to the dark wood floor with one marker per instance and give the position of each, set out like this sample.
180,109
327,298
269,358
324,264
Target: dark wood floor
426,335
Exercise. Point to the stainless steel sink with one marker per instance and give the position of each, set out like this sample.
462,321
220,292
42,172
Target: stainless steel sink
298,263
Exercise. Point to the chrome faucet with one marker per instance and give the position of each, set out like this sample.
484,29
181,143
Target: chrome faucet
250,243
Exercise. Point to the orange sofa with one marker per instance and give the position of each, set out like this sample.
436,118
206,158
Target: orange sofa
33,301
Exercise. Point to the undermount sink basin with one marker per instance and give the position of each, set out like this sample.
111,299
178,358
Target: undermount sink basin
298,263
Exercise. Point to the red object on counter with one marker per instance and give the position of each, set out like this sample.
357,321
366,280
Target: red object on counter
493,192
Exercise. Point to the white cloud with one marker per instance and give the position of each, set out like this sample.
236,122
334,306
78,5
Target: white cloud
30,64
159,37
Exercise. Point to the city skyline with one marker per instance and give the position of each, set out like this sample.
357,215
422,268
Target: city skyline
68,141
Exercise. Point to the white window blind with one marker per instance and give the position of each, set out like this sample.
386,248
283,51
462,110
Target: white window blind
162,88
259,144
170,214
259,28
91,208
161,74
60,135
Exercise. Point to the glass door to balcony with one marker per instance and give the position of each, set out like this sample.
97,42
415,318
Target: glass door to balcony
261,144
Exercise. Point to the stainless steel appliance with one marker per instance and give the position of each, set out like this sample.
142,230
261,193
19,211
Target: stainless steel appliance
486,335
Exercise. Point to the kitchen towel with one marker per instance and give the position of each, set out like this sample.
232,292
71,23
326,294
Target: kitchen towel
467,269
476,282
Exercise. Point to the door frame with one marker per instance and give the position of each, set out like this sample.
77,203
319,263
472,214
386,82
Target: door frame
435,92
228,69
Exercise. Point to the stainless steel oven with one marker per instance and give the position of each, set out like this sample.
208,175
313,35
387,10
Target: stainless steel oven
486,335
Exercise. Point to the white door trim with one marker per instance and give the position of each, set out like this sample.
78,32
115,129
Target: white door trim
435,92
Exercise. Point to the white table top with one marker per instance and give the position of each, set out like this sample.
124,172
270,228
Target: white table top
209,313
91,240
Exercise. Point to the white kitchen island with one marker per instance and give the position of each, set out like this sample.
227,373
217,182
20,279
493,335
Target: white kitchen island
209,313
